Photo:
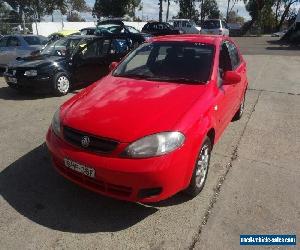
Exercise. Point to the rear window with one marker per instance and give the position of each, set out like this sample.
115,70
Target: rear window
211,24
3,41
33,40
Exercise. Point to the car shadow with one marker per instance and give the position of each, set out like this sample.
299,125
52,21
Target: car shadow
8,93
33,188
284,48
282,45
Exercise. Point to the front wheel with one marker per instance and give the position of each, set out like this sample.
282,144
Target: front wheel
62,84
201,169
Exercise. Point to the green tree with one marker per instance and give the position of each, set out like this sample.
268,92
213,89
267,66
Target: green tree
209,9
75,17
233,17
230,6
110,8
283,9
187,9
131,7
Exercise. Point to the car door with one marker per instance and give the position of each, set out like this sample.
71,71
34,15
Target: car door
13,44
239,66
3,51
225,28
90,63
226,102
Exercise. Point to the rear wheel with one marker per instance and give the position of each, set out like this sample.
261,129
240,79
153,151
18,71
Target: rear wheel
62,84
238,115
201,169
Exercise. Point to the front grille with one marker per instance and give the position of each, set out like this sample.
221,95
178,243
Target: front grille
96,144
19,72
96,184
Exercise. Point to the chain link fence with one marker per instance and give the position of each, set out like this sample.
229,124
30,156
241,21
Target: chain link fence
7,28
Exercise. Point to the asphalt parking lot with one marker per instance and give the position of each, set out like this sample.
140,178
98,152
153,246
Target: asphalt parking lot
253,184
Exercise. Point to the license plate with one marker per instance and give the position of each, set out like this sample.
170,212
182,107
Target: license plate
90,172
12,80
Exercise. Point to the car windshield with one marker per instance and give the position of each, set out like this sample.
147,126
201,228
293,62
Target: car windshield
35,40
109,28
132,30
211,24
180,62
169,26
61,47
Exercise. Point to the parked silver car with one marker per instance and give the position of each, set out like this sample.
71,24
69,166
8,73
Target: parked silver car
14,46
214,27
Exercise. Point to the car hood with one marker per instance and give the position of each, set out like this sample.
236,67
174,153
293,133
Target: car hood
125,109
36,61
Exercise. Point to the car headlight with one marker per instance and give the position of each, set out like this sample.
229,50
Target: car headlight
56,123
30,72
155,145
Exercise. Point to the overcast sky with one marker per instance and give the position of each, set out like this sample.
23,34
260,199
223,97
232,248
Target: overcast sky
150,10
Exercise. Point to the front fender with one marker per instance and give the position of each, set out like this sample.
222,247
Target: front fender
195,138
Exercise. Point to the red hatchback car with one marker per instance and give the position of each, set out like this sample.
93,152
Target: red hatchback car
146,131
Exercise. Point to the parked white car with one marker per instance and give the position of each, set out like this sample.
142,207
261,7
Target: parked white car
214,27
186,25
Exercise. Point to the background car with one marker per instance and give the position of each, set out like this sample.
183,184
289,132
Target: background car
160,29
117,27
235,29
61,34
88,31
214,27
14,46
279,33
186,25
66,63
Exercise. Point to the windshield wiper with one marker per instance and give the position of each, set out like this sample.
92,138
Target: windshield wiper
135,76
177,80
182,80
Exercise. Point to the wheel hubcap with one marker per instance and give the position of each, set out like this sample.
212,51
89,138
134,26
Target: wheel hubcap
242,107
202,166
63,84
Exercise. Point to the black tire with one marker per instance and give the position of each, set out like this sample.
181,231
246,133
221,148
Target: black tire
135,45
61,84
196,185
238,115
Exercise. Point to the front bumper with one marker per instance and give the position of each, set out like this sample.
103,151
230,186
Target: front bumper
40,82
138,180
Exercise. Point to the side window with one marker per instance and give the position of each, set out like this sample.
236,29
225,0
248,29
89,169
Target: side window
97,48
13,42
224,25
234,55
224,62
161,26
3,42
176,24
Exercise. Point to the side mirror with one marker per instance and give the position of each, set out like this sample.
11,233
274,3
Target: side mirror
113,65
231,78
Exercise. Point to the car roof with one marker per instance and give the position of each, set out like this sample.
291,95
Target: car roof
209,39
180,19
111,21
88,28
213,20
